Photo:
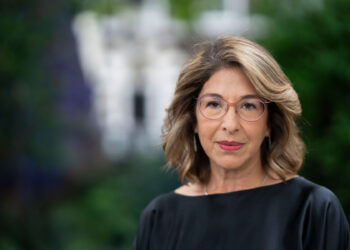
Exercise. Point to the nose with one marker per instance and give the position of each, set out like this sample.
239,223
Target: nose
231,120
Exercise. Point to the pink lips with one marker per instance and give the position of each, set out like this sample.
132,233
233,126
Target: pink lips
229,145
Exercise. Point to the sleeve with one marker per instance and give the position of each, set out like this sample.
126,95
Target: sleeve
142,239
326,226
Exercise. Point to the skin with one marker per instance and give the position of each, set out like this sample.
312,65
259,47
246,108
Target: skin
234,170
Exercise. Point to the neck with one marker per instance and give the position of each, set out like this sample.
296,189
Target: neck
223,181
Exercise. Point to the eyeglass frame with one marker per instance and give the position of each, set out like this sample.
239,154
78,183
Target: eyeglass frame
234,104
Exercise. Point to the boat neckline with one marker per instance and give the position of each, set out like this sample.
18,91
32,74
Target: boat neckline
240,191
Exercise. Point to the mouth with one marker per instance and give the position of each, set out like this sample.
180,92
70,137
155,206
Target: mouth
230,145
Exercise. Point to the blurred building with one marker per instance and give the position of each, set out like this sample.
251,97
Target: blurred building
132,60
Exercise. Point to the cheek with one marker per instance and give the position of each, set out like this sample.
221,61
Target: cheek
205,128
256,135
257,129
257,132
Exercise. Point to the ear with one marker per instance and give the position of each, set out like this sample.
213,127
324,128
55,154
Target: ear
195,129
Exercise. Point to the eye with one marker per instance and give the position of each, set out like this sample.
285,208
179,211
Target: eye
248,106
213,104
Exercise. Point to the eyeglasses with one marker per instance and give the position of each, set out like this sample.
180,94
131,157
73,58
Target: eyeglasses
249,108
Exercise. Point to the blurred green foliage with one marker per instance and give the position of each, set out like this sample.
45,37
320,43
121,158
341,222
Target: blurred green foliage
101,6
189,10
104,215
25,98
99,213
310,40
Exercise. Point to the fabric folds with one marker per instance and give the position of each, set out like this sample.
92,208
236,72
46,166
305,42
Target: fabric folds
293,215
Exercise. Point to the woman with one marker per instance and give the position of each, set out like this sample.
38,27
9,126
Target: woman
230,132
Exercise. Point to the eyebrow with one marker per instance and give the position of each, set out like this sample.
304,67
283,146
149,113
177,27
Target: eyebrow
242,97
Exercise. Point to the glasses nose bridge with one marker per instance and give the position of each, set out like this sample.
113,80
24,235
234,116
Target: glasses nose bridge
231,104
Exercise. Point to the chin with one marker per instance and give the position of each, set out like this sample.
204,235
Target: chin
227,164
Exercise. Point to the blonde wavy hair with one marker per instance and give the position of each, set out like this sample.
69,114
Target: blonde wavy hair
283,152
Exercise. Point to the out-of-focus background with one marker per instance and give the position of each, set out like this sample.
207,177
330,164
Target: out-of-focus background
84,85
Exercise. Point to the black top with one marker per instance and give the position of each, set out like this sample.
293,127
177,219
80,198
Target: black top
296,214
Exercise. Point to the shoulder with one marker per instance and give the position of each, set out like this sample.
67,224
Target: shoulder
325,223
314,199
172,202
320,202
162,203
315,192
149,217
159,201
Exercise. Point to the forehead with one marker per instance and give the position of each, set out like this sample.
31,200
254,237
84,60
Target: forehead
230,83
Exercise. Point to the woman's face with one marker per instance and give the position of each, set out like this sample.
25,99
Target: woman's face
231,142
